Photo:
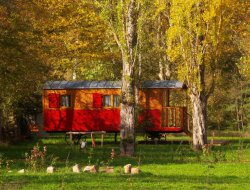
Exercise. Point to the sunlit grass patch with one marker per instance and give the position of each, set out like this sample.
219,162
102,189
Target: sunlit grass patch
172,165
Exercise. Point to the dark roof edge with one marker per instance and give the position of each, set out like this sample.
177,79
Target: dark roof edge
60,85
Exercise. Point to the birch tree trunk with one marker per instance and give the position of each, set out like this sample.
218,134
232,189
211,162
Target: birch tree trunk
127,128
164,67
127,131
198,98
164,64
122,17
199,104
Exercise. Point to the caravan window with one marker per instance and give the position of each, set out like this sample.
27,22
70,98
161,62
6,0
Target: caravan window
107,101
116,100
65,101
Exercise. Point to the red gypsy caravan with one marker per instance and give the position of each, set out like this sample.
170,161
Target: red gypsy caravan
88,106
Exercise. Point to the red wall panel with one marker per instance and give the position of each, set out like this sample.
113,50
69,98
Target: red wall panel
98,120
153,117
54,100
150,118
57,120
97,100
82,120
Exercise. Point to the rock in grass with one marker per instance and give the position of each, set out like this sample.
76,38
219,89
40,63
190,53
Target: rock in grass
76,168
135,170
50,169
127,169
109,169
21,171
91,169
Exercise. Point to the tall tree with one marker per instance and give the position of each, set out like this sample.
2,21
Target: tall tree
195,36
21,70
153,24
122,18
242,38
162,24
224,111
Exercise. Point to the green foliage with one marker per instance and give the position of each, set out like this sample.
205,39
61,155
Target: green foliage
74,35
193,37
20,80
90,157
212,35
2,161
98,70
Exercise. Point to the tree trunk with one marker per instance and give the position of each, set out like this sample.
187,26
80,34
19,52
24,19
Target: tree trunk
1,126
237,114
74,69
199,104
164,64
127,133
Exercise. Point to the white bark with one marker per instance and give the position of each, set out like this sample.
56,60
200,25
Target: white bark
198,104
164,64
127,132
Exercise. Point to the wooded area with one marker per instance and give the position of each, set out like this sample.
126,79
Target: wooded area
202,42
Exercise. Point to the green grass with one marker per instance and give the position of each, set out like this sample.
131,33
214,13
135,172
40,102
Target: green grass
164,166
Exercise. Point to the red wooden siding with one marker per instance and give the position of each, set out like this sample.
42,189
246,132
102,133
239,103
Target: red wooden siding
97,100
54,100
58,120
99,120
93,120
151,119
82,120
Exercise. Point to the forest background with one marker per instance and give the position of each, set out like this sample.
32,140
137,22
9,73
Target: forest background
43,40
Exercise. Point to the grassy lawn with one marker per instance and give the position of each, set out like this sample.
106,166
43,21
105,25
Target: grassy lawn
171,165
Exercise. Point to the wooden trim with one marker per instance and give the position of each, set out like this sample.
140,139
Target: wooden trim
174,114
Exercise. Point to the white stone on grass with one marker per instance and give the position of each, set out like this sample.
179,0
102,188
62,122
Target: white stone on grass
127,169
21,171
50,169
135,171
91,169
76,168
109,169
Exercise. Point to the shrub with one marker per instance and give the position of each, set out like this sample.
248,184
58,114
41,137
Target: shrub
36,159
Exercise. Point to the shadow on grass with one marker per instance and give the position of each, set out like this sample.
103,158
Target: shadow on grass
113,180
